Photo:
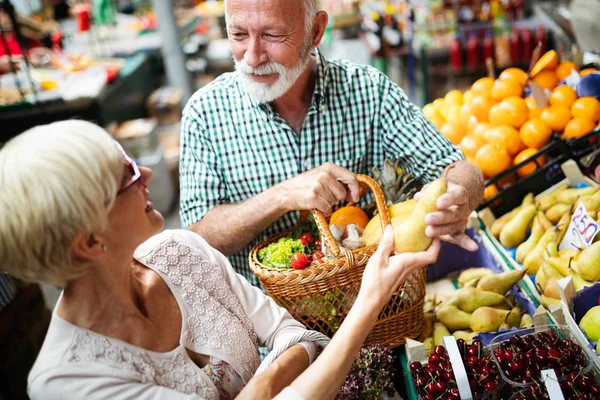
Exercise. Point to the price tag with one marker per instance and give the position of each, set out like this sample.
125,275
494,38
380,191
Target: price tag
581,232
552,386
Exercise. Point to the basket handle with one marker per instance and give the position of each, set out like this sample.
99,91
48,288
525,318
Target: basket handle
323,226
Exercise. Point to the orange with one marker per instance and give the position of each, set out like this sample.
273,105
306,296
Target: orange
349,215
469,146
546,79
490,191
516,74
506,137
535,133
528,168
588,71
453,114
534,111
578,127
453,132
564,70
482,86
549,61
506,88
492,160
480,107
468,96
556,117
454,97
430,111
563,96
481,129
437,121
511,111
586,107
472,124
465,115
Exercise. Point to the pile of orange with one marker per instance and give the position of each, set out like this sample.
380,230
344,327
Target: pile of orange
497,128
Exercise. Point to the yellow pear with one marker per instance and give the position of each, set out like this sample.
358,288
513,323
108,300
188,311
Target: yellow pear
398,213
540,280
515,232
427,329
528,200
409,237
588,263
537,231
428,344
569,253
439,331
499,224
500,283
470,299
548,301
488,319
570,196
472,273
467,336
548,200
533,260
544,220
579,282
555,213
590,323
453,317
551,289
562,265
514,316
591,203
526,321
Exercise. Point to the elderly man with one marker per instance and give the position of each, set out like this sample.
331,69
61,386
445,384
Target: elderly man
289,130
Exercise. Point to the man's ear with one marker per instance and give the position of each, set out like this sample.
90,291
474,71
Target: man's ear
87,247
319,26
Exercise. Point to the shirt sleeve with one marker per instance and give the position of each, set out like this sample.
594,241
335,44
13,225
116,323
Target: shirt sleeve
201,184
79,383
409,135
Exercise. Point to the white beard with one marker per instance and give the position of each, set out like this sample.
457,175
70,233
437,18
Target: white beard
264,92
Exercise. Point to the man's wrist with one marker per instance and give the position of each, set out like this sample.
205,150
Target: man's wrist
279,196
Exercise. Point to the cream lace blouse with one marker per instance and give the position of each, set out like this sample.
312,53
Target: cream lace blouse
224,317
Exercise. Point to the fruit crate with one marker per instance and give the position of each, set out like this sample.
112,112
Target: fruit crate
509,341
586,151
573,176
575,304
512,188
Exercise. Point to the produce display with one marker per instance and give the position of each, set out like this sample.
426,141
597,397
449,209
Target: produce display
482,304
436,380
534,231
498,124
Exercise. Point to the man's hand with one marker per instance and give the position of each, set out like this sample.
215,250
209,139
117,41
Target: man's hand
450,222
320,188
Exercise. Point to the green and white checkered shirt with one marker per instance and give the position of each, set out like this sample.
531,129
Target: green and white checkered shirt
233,148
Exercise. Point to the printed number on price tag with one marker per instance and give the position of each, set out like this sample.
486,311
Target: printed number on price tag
582,230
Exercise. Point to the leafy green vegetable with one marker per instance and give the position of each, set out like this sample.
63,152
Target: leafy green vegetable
279,254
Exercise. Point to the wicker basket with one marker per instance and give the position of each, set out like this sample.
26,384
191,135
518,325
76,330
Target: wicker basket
321,296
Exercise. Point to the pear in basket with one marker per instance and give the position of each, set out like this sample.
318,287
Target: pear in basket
410,235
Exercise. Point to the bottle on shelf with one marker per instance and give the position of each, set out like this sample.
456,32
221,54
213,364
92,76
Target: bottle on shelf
502,47
540,37
473,60
515,45
488,46
526,45
456,53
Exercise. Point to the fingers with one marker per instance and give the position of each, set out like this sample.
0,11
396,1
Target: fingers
456,196
347,178
442,217
338,190
386,244
463,240
402,265
437,231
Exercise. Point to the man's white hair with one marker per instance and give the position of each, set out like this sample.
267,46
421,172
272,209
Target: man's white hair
311,7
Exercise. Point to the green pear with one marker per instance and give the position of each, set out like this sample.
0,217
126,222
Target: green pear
526,321
500,283
488,319
548,200
533,260
570,196
453,317
537,231
467,336
588,263
472,283
439,331
410,235
515,232
590,323
579,282
514,316
499,224
555,213
427,329
591,203
470,299
472,273
598,347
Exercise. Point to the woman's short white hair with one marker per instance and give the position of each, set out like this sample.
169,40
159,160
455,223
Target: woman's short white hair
56,181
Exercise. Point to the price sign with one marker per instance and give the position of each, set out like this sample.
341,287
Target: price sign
581,232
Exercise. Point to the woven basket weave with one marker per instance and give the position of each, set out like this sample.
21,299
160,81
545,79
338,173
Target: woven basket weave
321,296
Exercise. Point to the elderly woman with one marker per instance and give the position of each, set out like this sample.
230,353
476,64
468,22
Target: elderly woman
146,315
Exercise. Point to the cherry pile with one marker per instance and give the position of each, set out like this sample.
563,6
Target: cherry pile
435,380
574,387
523,358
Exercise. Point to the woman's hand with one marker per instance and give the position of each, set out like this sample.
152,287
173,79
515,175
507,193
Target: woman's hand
385,272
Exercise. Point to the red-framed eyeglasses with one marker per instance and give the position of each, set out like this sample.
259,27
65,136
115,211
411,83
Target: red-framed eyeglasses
132,172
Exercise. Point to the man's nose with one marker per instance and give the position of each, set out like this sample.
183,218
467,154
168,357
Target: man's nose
255,54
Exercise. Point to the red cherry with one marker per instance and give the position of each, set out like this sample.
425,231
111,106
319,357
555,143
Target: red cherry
490,386
440,387
430,388
448,376
553,353
416,366
439,350
427,396
434,359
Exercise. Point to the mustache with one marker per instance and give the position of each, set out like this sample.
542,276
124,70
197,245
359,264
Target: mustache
269,68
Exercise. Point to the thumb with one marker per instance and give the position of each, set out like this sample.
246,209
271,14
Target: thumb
386,244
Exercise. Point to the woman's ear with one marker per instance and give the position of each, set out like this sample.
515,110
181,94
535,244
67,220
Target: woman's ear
87,247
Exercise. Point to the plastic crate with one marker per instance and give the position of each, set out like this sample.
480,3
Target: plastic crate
586,151
545,176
